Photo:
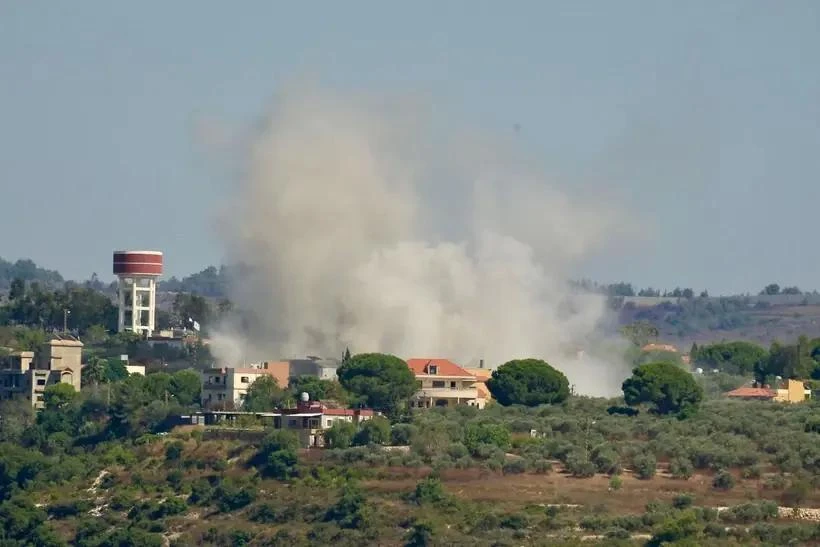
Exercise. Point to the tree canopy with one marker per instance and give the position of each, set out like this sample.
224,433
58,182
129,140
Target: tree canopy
730,357
665,386
264,394
529,382
317,388
378,380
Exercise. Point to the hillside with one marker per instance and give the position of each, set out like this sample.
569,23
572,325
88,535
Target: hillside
761,319
570,474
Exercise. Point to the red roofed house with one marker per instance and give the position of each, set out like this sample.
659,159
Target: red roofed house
753,393
443,383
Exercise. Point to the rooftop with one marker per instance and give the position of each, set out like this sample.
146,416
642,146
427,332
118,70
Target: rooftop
444,367
753,392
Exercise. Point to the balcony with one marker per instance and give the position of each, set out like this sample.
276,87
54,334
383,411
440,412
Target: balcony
213,385
446,393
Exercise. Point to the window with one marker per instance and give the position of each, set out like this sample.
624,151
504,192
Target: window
215,379
433,369
41,381
438,383
452,385
244,379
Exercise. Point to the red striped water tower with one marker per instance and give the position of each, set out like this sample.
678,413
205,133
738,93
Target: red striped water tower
137,272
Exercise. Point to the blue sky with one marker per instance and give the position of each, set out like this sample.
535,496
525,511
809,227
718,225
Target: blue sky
703,117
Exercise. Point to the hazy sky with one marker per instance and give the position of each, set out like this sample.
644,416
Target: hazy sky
703,118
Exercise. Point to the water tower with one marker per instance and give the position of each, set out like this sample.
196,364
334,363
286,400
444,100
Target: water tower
137,273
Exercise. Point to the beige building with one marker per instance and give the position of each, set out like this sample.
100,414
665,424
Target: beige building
481,375
793,391
28,374
443,383
227,387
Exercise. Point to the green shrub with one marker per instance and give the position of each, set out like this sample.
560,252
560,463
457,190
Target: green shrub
751,472
340,435
68,509
749,513
644,466
230,497
350,510
401,434
173,451
606,461
774,482
373,431
723,480
174,479
682,501
457,451
480,434
541,466
515,466
579,466
615,482
429,491
796,493
681,468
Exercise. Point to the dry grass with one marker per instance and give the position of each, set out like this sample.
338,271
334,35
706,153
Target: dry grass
632,497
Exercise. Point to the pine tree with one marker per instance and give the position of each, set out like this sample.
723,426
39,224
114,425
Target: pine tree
346,356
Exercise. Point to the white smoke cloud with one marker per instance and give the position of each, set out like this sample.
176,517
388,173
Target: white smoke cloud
363,226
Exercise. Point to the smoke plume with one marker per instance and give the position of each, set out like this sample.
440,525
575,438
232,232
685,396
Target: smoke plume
369,225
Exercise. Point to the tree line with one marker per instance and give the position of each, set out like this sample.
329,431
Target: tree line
799,360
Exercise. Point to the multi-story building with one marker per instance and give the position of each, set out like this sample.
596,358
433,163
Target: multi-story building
28,374
443,383
227,387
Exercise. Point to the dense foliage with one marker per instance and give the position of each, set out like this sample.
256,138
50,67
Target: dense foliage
195,488
666,387
530,382
729,357
377,380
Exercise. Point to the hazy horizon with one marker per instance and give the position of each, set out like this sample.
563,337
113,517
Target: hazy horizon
701,121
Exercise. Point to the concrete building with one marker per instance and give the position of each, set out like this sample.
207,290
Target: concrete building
309,420
136,369
137,273
443,383
227,387
28,374
324,369
793,391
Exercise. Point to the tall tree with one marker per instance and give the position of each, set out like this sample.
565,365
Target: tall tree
530,382
666,387
264,394
378,380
